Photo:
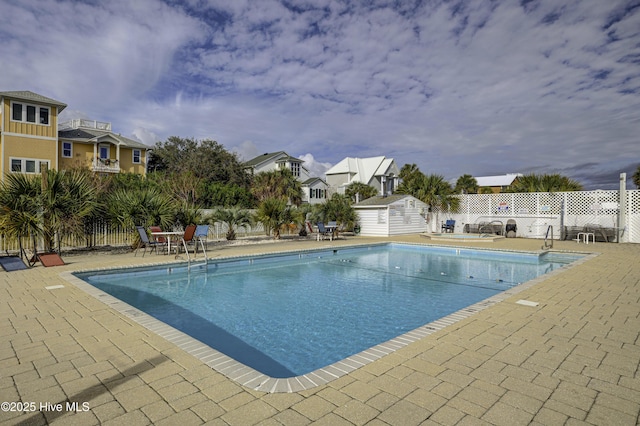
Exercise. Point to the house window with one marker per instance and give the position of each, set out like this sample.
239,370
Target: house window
104,152
44,116
295,168
66,149
136,156
16,165
27,165
17,112
30,113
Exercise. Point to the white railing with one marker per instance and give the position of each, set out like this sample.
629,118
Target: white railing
106,165
88,124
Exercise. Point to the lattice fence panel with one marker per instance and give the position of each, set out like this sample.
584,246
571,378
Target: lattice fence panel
534,212
632,229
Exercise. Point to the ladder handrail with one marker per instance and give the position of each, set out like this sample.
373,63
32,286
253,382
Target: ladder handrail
186,250
547,246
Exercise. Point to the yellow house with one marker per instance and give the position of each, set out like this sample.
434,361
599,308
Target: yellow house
28,132
92,144
30,135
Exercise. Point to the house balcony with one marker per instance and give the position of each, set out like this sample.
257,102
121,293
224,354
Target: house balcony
106,165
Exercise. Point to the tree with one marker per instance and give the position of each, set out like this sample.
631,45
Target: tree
142,207
636,178
544,183
274,213
433,190
358,191
20,209
68,198
277,184
233,217
338,208
411,176
206,159
466,184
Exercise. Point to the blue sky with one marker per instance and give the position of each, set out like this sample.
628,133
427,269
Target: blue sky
477,87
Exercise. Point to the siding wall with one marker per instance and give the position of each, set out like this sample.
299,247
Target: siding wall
395,219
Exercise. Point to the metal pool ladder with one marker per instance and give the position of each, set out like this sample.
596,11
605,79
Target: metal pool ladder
186,250
548,245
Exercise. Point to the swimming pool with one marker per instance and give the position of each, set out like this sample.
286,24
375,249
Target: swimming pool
292,315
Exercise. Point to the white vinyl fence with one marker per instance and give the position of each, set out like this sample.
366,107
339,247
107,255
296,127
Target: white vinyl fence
535,212
104,234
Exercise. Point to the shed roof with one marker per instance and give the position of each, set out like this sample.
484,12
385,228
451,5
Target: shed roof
382,200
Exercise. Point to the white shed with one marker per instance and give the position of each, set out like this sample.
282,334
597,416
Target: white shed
391,215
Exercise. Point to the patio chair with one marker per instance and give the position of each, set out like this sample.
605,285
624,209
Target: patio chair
12,263
201,234
160,239
145,242
323,232
187,237
449,226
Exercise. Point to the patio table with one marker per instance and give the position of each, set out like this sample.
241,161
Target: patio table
168,234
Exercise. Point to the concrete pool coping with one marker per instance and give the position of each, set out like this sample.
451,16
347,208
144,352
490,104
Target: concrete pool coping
572,358
256,380
462,238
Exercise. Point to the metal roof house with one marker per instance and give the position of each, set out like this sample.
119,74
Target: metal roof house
314,189
379,172
384,216
497,183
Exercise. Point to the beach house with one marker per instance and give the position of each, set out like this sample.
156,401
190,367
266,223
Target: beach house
379,172
314,189
32,137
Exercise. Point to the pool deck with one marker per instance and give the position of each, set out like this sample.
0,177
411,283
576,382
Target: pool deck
572,359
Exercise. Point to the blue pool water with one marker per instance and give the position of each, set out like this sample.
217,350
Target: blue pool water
291,314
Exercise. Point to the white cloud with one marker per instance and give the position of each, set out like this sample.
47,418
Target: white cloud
476,87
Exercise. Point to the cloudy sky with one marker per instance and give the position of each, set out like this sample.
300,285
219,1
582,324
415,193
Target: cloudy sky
476,87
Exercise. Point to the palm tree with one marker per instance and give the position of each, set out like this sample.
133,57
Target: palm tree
360,191
438,194
68,198
338,208
410,175
144,207
466,184
20,209
544,183
233,217
636,178
274,213
277,184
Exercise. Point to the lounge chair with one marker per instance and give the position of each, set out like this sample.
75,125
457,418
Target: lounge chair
50,259
449,226
12,263
145,242
323,232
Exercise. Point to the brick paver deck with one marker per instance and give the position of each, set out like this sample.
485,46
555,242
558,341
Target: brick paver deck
572,359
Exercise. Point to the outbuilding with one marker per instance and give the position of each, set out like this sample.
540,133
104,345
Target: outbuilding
397,214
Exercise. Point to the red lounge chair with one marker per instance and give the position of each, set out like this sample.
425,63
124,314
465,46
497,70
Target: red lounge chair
50,259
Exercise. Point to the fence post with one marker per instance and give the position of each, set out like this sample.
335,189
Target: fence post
622,209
